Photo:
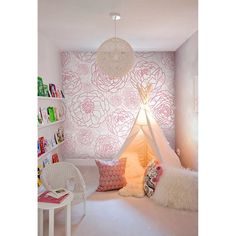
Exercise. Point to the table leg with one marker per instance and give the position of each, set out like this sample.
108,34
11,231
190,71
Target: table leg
68,220
40,222
51,223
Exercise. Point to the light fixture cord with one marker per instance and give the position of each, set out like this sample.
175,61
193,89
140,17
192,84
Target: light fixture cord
115,26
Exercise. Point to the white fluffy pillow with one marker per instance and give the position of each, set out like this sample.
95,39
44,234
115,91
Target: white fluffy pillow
134,174
177,188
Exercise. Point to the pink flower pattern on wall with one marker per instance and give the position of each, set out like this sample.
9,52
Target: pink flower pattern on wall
85,136
83,69
168,60
115,99
120,122
145,55
69,145
131,99
106,146
71,83
65,59
87,57
104,83
101,110
89,109
145,73
162,106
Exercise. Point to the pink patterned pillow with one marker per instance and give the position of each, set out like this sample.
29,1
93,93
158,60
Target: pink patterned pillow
112,174
151,177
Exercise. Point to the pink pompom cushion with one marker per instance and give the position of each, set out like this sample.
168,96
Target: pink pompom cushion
151,177
112,174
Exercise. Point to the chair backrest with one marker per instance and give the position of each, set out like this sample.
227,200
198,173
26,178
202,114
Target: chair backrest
56,176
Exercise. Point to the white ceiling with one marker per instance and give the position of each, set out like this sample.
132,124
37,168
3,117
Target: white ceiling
148,25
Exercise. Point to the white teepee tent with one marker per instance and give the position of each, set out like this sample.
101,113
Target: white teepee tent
146,137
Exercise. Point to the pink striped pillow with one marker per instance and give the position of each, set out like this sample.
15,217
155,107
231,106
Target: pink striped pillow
112,174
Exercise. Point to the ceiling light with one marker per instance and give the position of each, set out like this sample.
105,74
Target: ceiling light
115,56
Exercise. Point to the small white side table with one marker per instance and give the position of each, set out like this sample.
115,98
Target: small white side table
51,207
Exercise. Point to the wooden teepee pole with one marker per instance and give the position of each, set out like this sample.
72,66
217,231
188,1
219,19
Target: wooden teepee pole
144,93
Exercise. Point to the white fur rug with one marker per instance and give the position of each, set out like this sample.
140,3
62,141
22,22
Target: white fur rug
177,188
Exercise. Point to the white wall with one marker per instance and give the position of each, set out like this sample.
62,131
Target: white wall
49,61
186,60
49,68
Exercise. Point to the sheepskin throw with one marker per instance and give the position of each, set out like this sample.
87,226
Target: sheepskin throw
134,173
111,174
177,188
151,178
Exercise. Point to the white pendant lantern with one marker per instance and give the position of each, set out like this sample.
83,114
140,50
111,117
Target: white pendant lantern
115,57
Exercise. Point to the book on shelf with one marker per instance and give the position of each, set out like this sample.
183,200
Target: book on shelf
55,158
51,114
46,90
53,142
60,135
41,146
39,175
62,94
52,89
45,197
56,114
56,139
40,117
61,113
58,94
44,115
39,151
40,87
46,161
47,146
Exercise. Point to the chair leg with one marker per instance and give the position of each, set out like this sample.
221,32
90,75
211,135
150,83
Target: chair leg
84,207
51,223
68,220
84,204
40,222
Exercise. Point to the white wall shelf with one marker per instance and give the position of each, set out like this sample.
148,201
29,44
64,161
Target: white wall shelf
53,148
49,98
47,129
49,124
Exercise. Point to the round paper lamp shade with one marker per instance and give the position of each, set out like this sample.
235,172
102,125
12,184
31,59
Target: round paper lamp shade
115,57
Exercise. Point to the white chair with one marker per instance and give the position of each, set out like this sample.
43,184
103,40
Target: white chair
65,175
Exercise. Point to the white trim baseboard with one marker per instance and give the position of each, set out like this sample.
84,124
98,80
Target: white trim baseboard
81,162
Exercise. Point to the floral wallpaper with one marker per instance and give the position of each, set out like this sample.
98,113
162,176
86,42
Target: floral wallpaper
100,111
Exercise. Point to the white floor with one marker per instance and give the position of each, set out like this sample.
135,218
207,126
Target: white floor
109,214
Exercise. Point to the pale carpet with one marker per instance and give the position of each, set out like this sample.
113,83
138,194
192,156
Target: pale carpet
109,214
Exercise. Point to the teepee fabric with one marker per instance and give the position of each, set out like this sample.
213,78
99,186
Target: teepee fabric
147,139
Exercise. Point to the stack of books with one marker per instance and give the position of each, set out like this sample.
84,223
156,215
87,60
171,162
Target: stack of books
55,196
